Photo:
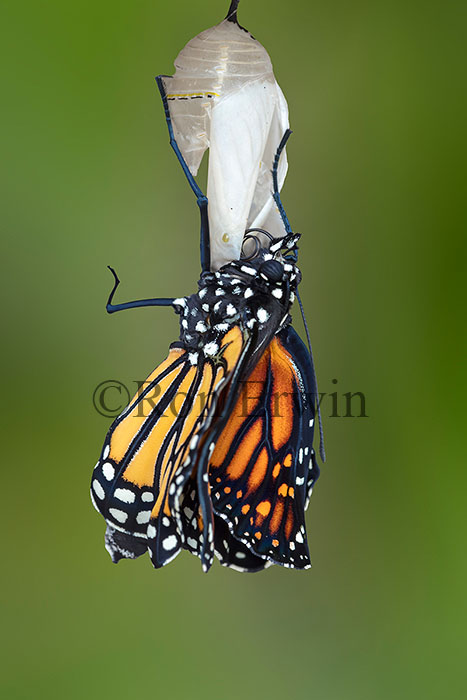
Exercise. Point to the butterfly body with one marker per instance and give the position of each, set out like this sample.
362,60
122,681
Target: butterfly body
244,294
153,481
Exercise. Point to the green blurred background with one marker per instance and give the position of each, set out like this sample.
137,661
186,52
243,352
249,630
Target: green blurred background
88,179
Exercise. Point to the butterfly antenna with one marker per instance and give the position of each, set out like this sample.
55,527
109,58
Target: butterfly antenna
275,194
322,452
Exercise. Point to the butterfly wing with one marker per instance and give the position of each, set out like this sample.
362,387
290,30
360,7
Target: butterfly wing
229,551
146,457
263,465
201,539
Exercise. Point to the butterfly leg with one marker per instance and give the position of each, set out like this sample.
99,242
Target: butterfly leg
315,391
112,308
276,194
201,198
293,257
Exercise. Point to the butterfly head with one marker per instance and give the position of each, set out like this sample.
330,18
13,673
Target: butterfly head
274,262
267,272
272,270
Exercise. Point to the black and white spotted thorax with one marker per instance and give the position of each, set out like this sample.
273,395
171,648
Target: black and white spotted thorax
246,293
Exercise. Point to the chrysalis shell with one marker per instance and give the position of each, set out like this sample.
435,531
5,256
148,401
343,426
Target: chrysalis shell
224,96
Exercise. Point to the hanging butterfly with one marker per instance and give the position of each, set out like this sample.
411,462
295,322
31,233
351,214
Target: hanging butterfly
223,463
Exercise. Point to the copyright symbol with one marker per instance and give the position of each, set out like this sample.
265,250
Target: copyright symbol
110,397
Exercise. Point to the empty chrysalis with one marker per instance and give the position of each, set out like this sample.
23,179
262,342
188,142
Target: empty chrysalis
224,96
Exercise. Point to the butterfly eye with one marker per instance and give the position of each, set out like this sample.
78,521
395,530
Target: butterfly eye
273,270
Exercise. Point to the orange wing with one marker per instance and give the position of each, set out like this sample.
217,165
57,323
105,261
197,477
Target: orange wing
145,461
263,462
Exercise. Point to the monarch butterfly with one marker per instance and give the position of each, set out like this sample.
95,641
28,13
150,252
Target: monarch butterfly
231,470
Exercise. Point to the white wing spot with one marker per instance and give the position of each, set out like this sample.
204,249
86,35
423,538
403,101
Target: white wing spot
230,310
125,495
108,471
169,542
151,532
147,496
105,454
299,537
143,516
98,490
118,515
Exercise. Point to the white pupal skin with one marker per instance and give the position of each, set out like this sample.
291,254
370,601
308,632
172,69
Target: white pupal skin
224,96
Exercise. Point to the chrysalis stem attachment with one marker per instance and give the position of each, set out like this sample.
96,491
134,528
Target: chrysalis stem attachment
231,15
